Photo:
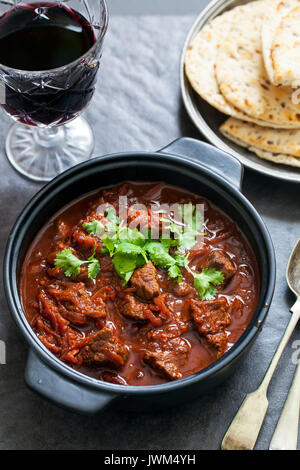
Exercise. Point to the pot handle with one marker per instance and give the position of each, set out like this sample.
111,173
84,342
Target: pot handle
63,392
211,157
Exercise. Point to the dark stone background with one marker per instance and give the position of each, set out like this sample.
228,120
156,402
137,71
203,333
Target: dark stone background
138,106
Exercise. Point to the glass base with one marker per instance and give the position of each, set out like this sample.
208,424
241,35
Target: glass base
40,154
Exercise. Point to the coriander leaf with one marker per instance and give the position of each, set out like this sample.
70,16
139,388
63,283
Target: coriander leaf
196,217
109,244
134,236
168,242
216,277
174,272
95,227
130,249
93,254
182,261
203,281
112,229
127,277
140,260
93,268
175,228
210,294
110,214
187,240
124,264
185,235
159,255
68,262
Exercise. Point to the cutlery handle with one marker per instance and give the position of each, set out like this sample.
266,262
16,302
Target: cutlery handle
285,436
244,429
284,340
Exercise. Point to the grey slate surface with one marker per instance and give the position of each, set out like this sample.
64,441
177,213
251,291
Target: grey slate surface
155,7
138,107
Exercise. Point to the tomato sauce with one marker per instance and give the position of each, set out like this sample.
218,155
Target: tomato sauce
177,333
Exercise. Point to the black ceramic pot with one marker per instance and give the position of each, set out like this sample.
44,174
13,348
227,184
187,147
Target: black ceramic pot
189,164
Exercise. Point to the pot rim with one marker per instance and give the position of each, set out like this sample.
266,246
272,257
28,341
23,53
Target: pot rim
13,298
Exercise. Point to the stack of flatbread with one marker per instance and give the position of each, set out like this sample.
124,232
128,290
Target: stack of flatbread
246,63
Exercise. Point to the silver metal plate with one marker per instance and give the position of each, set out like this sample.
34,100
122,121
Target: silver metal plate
208,119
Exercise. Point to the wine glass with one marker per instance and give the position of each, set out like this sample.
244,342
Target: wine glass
49,59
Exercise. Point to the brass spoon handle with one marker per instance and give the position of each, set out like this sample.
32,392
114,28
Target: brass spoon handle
284,340
285,436
244,429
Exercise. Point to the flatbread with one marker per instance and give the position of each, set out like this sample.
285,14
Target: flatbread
242,77
275,11
281,158
200,64
285,50
272,140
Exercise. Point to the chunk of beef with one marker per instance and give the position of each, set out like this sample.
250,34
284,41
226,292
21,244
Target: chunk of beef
169,339
181,348
210,316
104,348
145,281
132,308
220,260
74,302
181,289
219,342
49,310
163,363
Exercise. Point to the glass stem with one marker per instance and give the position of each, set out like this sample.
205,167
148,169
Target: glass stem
49,136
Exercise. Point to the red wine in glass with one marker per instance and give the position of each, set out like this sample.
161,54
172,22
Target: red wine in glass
40,37
49,59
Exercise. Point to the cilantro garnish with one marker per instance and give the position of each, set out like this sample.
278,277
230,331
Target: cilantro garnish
185,236
133,236
93,268
205,281
125,247
110,214
125,265
194,217
130,249
174,272
159,254
109,244
95,227
70,264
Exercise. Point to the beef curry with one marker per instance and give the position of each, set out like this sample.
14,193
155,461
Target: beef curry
139,310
